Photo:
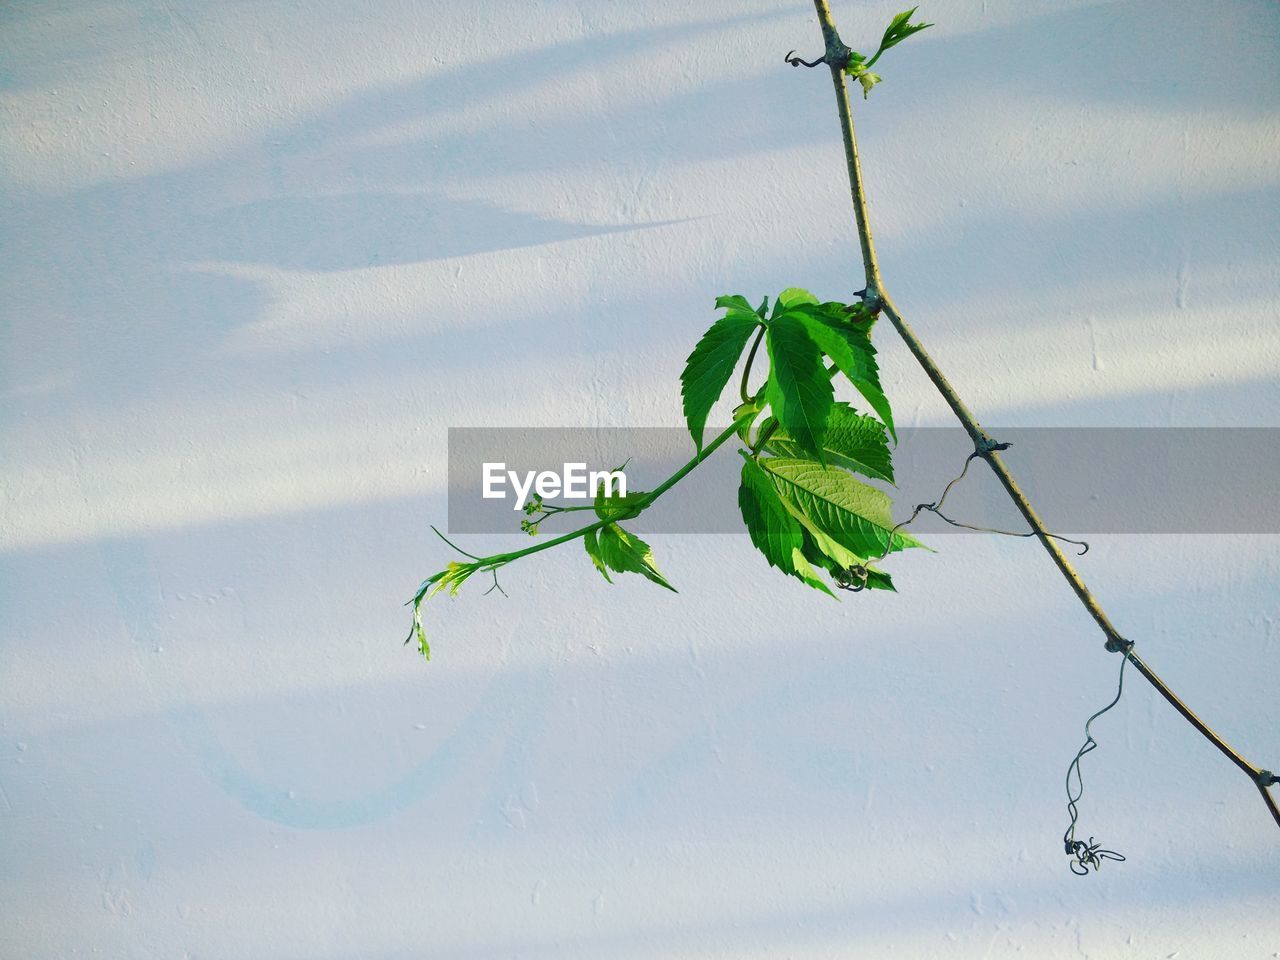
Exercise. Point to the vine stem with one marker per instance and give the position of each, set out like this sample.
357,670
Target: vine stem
878,300
746,370
497,560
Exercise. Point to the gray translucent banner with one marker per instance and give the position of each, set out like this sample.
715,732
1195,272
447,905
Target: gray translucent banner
1082,480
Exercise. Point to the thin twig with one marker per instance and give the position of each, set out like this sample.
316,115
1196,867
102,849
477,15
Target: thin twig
876,297
452,544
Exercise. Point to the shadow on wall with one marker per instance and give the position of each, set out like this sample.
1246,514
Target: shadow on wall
889,761
133,270
135,288
218,632
143,282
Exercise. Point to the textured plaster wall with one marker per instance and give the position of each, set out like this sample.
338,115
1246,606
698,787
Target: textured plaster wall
258,256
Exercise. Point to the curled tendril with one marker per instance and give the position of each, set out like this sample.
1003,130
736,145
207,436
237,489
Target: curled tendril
852,578
936,510
796,61
1086,855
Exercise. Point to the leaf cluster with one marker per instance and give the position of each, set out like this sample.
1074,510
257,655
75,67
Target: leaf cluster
799,495
900,27
451,578
800,500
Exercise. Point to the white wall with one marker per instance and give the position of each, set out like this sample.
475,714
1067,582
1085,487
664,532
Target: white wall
257,257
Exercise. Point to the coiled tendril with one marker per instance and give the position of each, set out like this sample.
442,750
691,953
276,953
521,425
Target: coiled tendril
1086,855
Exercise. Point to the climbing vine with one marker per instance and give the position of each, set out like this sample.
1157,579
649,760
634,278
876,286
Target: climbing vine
800,498
802,452
807,454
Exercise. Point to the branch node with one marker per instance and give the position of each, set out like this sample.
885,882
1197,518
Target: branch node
1266,778
837,55
871,299
1118,644
984,446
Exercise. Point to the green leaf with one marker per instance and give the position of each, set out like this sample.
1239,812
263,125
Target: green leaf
624,552
846,518
853,441
451,578
899,20
839,556
798,388
592,543
815,555
424,648
773,530
615,507
879,580
876,579
899,29
855,315
791,297
735,303
711,364
847,344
